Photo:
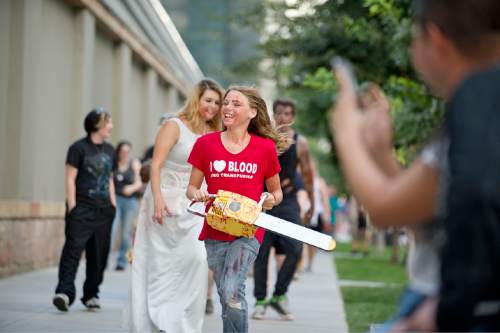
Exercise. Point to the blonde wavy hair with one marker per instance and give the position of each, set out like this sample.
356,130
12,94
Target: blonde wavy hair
261,125
190,110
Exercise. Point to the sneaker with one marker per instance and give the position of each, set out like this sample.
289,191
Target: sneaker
61,302
260,310
209,307
92,304
119,268
278,303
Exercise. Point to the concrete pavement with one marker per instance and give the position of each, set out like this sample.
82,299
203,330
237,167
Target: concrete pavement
25,304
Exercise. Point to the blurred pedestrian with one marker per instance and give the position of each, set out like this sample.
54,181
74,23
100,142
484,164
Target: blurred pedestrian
297,155
90,209
126,175
320,220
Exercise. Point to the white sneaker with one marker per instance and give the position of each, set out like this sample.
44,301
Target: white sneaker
61,302
259,312
93,304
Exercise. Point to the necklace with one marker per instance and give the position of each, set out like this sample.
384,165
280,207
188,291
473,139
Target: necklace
99,161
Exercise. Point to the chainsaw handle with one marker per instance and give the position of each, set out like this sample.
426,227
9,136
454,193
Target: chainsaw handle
263,198
197,212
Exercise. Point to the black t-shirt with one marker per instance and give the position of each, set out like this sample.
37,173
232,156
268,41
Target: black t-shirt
94,163
122,179
470,258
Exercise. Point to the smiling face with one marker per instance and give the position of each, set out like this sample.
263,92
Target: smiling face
209,104
236,110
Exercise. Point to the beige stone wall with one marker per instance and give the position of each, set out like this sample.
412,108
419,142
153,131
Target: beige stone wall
28,244
31,235
58,60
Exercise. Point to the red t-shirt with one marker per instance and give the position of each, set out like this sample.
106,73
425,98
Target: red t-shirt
243,173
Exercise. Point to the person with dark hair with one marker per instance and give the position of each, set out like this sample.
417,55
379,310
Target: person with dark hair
295,156
456,49
90,209
126,175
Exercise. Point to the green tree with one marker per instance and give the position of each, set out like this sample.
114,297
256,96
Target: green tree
375,36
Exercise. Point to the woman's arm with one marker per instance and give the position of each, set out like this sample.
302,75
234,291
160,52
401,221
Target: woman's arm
165,139
194,191
276,195
137,184
112,193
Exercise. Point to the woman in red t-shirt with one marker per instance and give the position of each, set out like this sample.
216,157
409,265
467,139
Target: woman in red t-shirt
240,159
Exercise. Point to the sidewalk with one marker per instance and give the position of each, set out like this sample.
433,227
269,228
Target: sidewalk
25,304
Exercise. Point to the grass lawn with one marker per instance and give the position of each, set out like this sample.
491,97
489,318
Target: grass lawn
369,305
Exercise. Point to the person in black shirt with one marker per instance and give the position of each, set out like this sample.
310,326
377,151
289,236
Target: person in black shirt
456,50
296,156
90,211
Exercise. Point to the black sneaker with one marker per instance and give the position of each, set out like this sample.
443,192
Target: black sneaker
61,302
119,268
278,303
209,307
92,304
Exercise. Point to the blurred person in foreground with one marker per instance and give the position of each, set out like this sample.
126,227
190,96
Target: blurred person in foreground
456,49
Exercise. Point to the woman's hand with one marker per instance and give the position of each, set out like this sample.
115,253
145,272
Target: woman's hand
161,210
201,195
269,202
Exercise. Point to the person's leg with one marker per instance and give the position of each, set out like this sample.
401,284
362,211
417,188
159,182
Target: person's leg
216,255
77,233
97,252
261,267
209,308
240,255
129,212
311,250
293,250
117,225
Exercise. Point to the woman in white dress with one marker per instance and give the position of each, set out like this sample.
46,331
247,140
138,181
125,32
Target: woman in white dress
169,268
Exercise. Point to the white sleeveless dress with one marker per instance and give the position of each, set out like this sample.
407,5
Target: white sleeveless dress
168,285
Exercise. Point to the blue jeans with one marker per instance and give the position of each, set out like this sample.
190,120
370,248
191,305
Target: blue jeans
230,262
408,303
126,212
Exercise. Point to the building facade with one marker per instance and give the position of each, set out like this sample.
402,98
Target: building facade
58,60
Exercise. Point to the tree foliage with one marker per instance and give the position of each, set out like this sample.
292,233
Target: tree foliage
374,35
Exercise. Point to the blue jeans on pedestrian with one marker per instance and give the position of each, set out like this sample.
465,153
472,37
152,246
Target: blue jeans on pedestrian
409,301
229,262
126,212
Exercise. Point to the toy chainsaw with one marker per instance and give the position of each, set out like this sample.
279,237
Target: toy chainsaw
240,216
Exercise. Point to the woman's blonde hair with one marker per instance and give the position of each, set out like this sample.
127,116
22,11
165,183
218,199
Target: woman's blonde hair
261,124
190,110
